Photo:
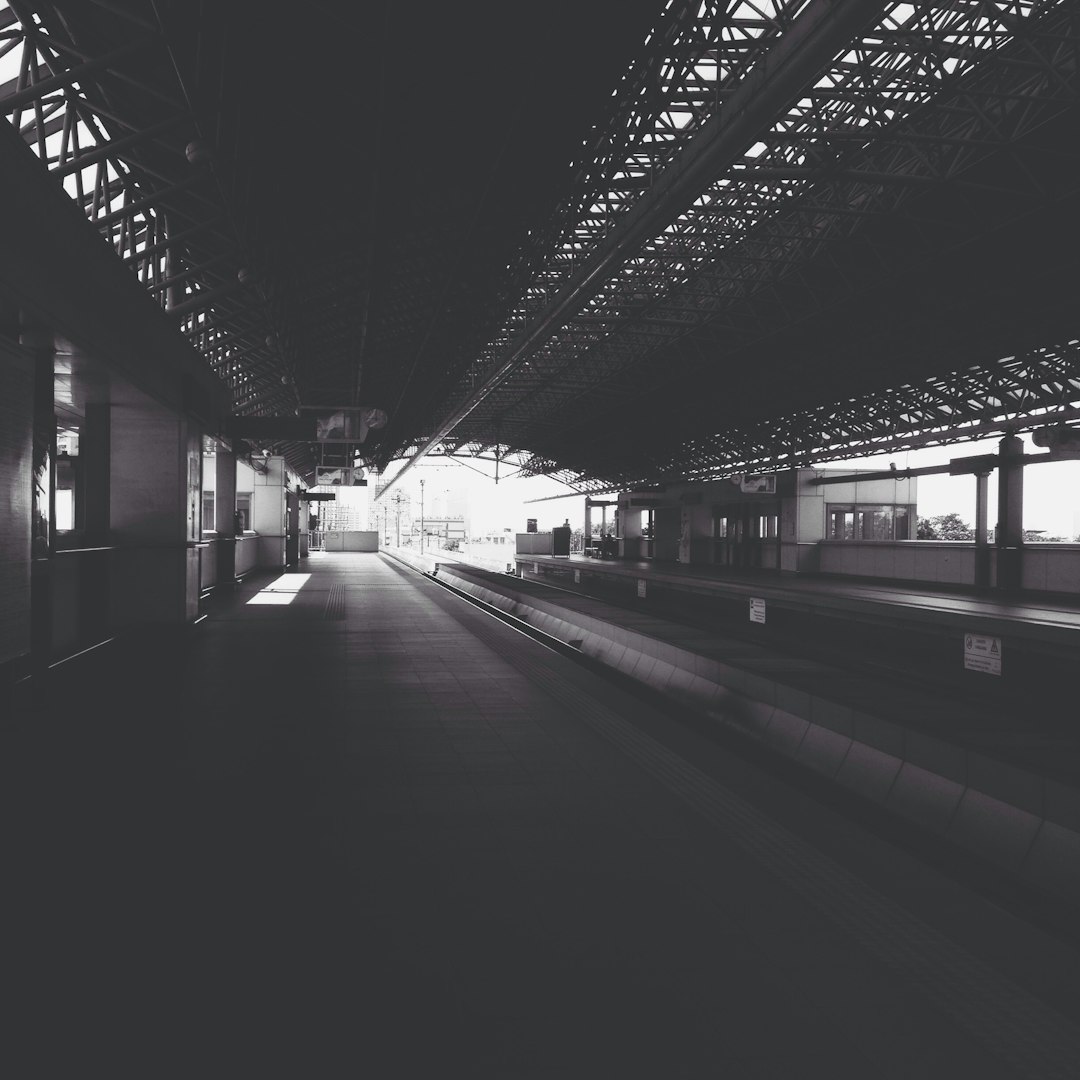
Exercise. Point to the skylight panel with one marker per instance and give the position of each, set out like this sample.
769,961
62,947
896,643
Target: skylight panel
746,11
900,15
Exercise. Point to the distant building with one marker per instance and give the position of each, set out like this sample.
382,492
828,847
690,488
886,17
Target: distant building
443,528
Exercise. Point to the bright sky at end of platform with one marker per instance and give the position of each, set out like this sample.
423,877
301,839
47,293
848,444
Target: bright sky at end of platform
492,507
1051,491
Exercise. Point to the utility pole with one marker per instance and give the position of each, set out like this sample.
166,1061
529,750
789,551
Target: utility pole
397,516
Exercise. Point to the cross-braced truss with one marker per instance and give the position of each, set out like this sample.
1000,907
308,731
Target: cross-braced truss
1016,394
751,267
914,105
127,147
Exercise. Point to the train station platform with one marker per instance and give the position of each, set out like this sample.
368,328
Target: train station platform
351,824
862,684
1050,619
896,650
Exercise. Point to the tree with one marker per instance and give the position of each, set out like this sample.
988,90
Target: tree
1038,536
944,527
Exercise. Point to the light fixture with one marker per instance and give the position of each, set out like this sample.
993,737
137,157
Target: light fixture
198,152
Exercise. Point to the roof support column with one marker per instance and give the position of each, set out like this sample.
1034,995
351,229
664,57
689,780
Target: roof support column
225,517
18,525
982,547
94,455
1009,534
39,346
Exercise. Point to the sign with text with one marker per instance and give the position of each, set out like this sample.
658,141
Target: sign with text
348,425
982,653
763,483
641,587
327,476
757,610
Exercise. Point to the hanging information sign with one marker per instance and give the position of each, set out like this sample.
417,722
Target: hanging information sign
761,483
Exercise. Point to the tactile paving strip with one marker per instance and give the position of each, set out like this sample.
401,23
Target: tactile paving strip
1008,1021
335,602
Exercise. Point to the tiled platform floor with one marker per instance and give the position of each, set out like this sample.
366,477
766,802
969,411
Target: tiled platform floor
375,833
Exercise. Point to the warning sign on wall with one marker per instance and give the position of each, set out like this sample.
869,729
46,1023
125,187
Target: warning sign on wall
757,610
982,653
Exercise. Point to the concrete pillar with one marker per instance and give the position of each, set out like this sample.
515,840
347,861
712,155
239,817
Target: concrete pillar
95,618
155,507
699,517
789,532
666,533
225,515
40,350
292,529
686,526
1009,533
630,546
982,547
16,476
94,459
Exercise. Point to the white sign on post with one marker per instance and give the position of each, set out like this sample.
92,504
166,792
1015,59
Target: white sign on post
757,610
641,586
982,653
577,577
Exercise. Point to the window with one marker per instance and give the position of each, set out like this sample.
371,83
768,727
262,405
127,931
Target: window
209,485
67,492
864,522
745,524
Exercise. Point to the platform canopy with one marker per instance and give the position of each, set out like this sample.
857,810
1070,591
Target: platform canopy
615,242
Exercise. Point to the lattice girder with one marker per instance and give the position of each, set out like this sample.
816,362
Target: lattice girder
848,183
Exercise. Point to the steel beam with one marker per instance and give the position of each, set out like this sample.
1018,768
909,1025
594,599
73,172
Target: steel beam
814,39
36,91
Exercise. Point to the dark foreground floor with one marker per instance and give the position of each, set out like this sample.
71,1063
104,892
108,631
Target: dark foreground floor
375,833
